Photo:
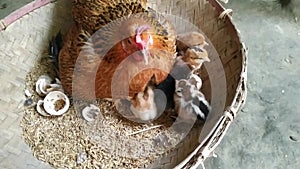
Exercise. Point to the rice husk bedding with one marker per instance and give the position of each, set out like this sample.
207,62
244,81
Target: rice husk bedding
111,141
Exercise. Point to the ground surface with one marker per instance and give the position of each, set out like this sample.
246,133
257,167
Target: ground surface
266,134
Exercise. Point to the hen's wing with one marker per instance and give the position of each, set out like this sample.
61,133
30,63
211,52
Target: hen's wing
74,41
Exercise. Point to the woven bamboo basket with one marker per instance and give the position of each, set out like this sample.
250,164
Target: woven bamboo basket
25,35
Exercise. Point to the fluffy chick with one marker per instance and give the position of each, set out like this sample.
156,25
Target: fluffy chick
190,103
191,48
194,57
190,39
149,104
196,81
143,105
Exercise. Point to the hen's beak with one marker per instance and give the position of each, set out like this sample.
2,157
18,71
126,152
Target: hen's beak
146,51
145,56
144,46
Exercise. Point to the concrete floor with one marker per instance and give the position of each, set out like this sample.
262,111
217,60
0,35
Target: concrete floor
266,134
8,6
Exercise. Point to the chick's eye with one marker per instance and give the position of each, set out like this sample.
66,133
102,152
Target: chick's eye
179,93
178,90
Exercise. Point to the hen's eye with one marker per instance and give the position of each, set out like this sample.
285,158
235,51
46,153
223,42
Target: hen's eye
129,42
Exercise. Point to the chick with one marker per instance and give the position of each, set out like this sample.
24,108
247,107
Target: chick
195,57
190,39
143,105
149,104
190,47
190,103
196,81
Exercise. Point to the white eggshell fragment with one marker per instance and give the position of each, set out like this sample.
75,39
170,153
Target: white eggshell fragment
40,109
27,93
56,103
43,85
90,112
82,157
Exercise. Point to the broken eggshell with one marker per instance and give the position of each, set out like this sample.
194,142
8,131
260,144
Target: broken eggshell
82,157
90,112
40,109
27,93
55,103
43,85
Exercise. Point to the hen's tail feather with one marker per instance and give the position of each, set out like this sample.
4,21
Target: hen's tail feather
55,46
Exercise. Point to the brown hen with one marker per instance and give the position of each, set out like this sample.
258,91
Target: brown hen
119,59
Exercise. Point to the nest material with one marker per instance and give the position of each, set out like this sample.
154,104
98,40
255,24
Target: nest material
111,141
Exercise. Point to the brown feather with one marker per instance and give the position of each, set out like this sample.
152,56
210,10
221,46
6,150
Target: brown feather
93,14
